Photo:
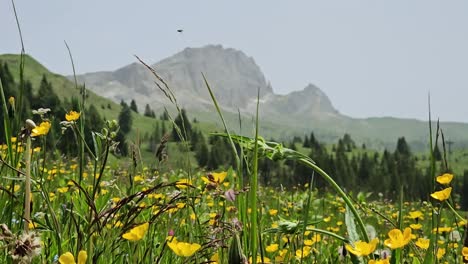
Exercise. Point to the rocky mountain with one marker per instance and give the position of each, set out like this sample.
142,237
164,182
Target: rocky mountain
235,79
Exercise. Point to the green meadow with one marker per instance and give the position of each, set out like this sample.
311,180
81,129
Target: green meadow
87,180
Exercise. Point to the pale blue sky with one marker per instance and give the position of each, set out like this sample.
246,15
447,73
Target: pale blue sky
371,57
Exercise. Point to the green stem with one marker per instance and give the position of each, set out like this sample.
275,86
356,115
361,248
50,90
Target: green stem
455,212
341,193
253,193
27,199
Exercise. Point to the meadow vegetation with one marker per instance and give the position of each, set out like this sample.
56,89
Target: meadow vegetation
78,187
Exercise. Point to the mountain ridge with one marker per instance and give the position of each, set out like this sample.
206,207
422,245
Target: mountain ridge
235,79
281,116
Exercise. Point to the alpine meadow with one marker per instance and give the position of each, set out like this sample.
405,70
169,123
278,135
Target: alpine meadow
195,159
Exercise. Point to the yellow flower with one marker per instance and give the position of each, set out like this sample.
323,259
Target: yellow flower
41,130
67,258
32,225
273,212
183,249
271,248
445,178
137,232
423,243
442,195
183,183
72,116
215,177
440,253
397,239
415,226
362,248
11,101
303,253
416,215
465,252
379,261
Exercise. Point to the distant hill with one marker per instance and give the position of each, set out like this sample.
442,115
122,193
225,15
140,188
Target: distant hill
235,79
64,88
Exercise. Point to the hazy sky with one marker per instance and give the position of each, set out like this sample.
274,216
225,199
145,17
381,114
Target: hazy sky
372,58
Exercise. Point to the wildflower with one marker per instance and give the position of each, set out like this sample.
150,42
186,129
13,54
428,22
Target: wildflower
361,248
183,249
440,253
465,252
397,239
72,116
416,226
25,247
304,252
455,236
183,183
423,243
259,259
68,258
214,177
136,233
11,101
417,215
273,212
380,261
271,248
445,178
230,195
41,130
442,195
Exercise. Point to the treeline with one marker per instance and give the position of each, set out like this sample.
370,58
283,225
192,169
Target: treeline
359,169
353,167
21,99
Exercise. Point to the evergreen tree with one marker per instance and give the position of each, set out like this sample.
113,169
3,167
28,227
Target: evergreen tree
46,97
306,143
125,119
201,151
184,125
133,106
148,111
164,116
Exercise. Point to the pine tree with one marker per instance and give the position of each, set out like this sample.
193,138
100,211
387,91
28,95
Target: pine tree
184,125
133,106
148,111
125,119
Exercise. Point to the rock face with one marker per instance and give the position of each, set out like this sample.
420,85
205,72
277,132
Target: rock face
233,76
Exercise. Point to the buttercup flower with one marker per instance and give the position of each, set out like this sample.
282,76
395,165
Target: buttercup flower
72,116
416,215
380,261
183,183
214,177
362,248
423,243
41,130
397,239
445,178
271,248
137,232
68,258
442,195
183,249
465,252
